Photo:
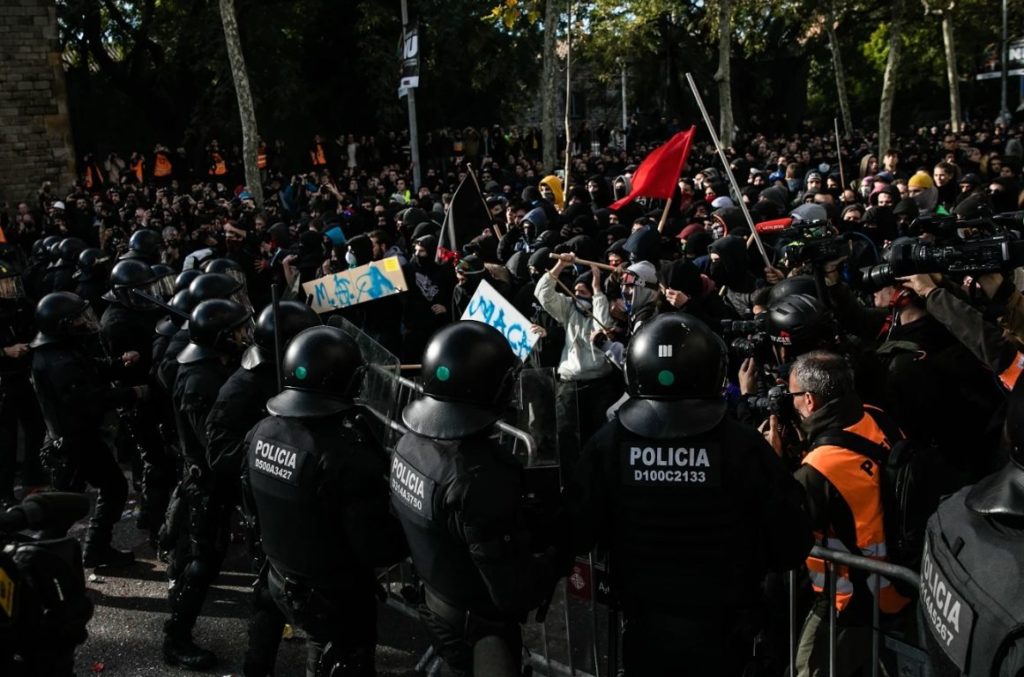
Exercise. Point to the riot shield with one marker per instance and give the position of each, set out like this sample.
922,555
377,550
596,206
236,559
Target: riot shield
381,387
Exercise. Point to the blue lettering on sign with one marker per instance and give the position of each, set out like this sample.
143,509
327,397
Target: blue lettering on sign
341,293
374,284
483,310
321,295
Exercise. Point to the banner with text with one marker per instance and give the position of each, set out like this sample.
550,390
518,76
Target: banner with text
490,307
357,285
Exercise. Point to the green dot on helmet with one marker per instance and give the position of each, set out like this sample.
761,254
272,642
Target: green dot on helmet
666,378
442,373
301,373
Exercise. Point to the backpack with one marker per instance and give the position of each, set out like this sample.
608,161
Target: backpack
908,480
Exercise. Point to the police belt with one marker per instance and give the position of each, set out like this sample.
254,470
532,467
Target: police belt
472,624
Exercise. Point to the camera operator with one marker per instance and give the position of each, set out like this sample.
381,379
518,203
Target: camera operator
844,500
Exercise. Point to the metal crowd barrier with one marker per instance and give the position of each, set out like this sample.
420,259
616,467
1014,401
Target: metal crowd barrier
386,394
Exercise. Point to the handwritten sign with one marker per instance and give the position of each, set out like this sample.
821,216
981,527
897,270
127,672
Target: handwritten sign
490,307
357,285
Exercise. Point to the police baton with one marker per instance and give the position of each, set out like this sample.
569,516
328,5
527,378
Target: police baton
160,302
275,304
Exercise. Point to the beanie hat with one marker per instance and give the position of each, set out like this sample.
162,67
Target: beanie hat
920,180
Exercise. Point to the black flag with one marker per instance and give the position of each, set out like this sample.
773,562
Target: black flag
466,218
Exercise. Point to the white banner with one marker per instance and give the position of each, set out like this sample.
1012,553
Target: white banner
490,307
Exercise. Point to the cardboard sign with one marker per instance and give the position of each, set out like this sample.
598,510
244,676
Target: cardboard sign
490,307
357,285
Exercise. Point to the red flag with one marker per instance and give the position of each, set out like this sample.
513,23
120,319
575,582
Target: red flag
658,173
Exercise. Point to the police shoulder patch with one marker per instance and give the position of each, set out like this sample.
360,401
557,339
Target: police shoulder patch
411,489
949,616
274,459
671,464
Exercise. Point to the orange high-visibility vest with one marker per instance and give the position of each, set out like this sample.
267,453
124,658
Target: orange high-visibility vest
857,479
93,177
1010,375
139,169
318,156
217,167
161,166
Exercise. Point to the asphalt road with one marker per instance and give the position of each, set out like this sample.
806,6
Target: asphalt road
126,632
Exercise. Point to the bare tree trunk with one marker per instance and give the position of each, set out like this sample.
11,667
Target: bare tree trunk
889,84
837,63
549,87
246,110
948,41
723,75
568,103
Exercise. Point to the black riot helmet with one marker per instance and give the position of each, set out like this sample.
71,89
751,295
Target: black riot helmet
53,251
61,316
212,330
184,305
11,286
41,247
219,286
468,373
322,369
225,266
184,279
144,244
1001,494
292,317
127,276
800,284
68,251
675,373
92,264
799,322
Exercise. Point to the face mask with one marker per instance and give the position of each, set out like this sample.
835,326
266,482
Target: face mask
584,305
718,271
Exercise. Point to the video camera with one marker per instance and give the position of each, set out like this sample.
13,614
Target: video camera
803,242
776,402
43,606
998,253
749,337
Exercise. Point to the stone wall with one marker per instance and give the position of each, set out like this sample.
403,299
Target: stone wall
35,130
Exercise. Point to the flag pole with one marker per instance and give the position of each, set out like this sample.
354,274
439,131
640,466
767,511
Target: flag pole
839,156
728,170
664,215
497,230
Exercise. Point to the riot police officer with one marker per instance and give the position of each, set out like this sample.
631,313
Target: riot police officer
145,245
18,404
128,324
219,331
316,475
970,598
201,287
241,404
71,382
64,260
91,277
459,498
672,487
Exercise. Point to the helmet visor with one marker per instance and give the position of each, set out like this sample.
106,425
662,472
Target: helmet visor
241,296
85,322
12,288
163,286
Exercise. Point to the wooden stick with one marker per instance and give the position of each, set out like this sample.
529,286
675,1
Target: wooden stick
572,295
595,264
410,367
664,216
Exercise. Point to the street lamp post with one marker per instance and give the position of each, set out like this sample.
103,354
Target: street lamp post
1004,109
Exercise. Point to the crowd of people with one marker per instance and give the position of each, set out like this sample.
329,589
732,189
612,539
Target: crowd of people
708,393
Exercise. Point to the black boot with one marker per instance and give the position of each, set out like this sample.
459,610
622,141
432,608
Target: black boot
97,555
179,649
